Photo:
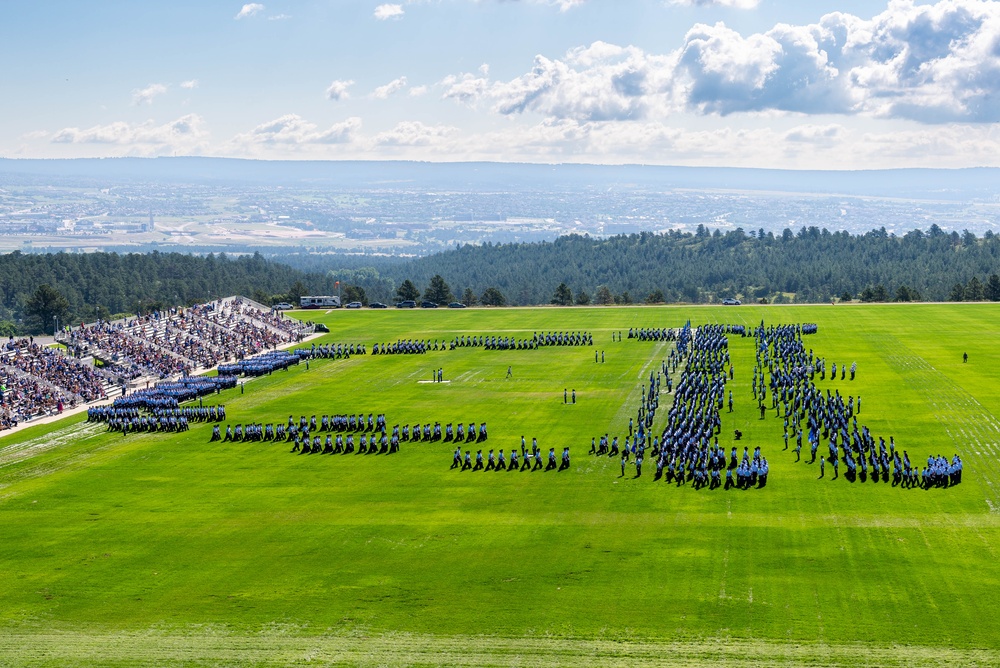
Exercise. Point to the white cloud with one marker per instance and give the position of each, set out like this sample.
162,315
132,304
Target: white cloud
803,146
185,134
190,84
394,86
652,142
931,63
249,10
736,4
565,5
466,88
145,95
719,71
292,130
419,91
337,90
599,82
413,133
816,136
389,11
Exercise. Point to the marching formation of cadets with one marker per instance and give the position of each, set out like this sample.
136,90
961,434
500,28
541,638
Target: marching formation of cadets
535,342
189,413
169,394
787,372
691,450
563,339
260,365
158,408
688,448
407,347
331,351
305,438
128,419
340,430
529,460
672,334
653,334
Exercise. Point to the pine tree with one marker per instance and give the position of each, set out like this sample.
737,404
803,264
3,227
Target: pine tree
407,291
562,296
993,288
44,306
438,291
905,294
604,296
493,297
974,290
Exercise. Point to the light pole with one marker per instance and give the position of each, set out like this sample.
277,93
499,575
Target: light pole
55,332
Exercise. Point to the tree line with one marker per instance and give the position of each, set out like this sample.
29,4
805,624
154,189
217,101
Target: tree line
36,289
809,266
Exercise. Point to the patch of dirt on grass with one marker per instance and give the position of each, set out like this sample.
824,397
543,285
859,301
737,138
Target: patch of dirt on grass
31,447
399,649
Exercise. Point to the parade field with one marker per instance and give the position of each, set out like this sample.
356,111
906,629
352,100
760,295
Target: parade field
169,550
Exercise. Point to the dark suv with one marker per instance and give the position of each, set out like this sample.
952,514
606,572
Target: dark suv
409,303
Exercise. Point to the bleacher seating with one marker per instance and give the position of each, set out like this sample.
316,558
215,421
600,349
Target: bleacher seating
167,345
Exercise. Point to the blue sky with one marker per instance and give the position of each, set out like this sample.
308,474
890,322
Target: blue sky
759,83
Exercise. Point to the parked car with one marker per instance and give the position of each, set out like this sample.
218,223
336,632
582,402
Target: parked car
353,305
731,302
377,305
282,306
428,304
456,305
320,327
408,303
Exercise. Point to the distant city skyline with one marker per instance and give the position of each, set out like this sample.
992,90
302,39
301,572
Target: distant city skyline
828,84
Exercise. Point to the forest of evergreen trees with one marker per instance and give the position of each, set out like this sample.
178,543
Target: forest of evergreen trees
37,288
811,265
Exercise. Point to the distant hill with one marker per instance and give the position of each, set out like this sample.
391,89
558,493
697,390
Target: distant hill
473,176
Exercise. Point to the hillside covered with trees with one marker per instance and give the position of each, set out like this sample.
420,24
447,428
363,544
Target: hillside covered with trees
811,265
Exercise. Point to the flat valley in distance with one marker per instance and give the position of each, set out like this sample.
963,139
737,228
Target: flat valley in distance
407,209
168,549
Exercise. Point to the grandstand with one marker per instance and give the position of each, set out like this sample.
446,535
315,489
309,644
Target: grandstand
103,358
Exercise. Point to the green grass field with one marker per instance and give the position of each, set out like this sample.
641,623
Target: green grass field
168,550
